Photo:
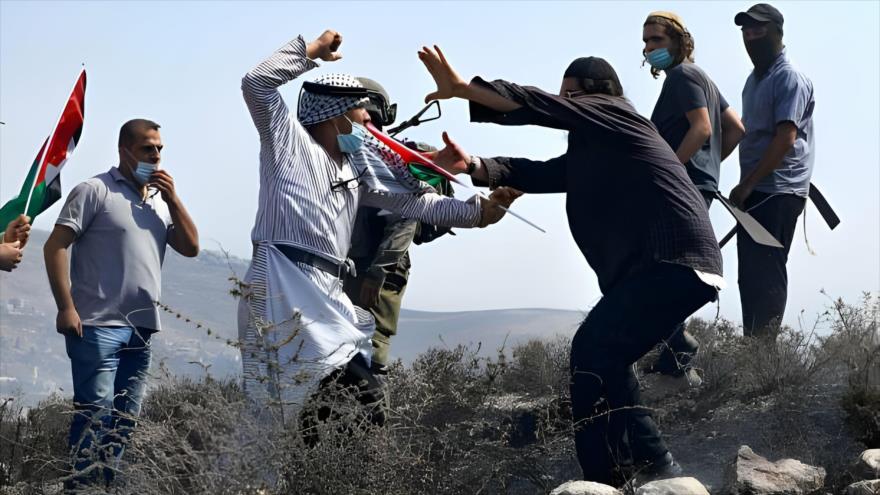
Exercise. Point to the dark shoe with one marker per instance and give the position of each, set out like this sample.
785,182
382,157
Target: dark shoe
676,355
378,368
662,468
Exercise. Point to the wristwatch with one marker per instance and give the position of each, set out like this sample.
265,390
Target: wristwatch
473,164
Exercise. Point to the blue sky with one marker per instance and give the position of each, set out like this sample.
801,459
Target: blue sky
180,64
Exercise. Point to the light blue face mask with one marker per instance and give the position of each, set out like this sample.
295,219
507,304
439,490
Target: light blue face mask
659,58
143,171
349,143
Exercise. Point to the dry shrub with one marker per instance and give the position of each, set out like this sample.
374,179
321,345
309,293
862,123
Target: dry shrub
457,422
856,340
445,434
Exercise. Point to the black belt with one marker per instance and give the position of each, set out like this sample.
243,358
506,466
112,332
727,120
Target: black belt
321,263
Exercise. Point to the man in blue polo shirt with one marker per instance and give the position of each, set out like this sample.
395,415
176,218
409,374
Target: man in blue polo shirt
776,161
116,226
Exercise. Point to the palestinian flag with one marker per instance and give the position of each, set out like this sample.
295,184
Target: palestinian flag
43,183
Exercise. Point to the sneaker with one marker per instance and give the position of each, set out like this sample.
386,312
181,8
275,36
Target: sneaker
665,364
378,368
676,355
662,468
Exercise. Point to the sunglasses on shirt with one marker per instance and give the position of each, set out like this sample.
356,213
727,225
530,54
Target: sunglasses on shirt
348,184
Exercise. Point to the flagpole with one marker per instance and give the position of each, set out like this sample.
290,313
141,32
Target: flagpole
45,157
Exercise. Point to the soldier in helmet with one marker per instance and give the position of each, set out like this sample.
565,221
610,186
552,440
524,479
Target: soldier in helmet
381,240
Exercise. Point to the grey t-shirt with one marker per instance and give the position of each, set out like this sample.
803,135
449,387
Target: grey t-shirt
116,259
784,94
687,88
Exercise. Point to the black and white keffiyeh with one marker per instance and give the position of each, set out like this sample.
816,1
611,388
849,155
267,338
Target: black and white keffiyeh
314,108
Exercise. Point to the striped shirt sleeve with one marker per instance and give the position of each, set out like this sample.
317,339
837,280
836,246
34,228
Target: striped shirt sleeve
268,110
430,207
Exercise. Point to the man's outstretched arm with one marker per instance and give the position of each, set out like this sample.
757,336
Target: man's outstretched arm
451,85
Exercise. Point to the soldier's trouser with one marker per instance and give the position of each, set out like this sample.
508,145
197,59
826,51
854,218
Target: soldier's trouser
386,309
763,278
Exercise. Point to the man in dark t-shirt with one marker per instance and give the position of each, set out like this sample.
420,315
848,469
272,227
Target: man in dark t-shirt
691,114
637,219
695,119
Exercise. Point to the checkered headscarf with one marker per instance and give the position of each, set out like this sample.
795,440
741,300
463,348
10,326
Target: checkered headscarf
314,108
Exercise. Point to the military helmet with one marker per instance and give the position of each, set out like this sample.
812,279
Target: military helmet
382,111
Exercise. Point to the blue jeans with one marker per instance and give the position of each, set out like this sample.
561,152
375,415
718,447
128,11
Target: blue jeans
109,367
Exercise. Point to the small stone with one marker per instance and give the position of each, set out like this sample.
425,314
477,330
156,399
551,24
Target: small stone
673,486
751,474
869,487
584,488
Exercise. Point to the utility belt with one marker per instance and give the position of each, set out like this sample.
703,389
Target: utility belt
298,255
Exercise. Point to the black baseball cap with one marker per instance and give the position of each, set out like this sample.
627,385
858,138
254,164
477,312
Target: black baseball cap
760,12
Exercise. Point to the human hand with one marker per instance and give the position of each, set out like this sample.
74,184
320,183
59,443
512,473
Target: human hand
68,323
452,158
325,46
10,255
370,287
740,193
164,183
490,212
18,229
449,83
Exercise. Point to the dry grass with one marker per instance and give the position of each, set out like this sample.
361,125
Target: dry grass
457,423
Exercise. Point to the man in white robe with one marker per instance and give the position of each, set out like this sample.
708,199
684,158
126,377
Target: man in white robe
296,325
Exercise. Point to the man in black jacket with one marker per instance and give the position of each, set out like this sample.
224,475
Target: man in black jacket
640,223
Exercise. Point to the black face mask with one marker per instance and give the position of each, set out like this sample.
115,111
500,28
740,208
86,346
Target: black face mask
762,51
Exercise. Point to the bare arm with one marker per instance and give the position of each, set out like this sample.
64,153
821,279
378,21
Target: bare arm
732,131
58,270
700,130
183,235
786,134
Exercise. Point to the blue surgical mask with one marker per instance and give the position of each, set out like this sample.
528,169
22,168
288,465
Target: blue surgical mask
349,143
144,171
659,58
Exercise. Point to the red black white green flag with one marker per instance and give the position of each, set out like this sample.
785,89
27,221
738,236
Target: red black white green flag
42,187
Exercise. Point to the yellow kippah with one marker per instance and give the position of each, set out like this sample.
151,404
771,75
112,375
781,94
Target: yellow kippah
672,16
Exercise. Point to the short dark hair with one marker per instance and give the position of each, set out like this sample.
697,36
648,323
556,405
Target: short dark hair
130,129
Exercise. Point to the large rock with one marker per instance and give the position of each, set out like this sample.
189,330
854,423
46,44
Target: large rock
871,487
673,486
751,474
584,488
868,465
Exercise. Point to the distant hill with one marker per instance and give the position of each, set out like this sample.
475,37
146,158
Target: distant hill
33,359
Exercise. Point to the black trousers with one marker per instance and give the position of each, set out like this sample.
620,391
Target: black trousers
626,323
763,278
680,348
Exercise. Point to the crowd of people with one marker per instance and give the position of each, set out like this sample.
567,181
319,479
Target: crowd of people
338,212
